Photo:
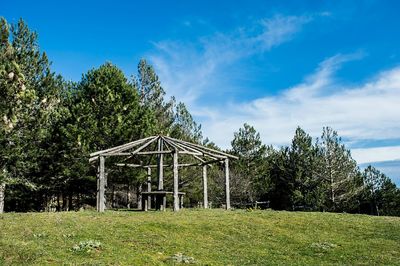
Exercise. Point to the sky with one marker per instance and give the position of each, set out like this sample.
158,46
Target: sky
275,65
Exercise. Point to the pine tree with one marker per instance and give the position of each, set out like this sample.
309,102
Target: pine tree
303,165
338,170
17,103
184,126
249,173
152,96
381,194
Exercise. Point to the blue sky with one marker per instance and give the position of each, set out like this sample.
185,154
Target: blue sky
273,64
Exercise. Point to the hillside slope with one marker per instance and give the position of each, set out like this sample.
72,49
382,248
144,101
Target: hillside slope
212,237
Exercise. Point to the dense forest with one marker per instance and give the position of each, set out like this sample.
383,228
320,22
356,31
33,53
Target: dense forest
49,126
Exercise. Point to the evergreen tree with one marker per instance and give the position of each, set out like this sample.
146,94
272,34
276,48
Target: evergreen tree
152,96
338,170
17,103
303,165
282,180
381,194
184,126
31,114
104,112
248,173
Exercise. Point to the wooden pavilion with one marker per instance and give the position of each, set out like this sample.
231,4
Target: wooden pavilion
161,146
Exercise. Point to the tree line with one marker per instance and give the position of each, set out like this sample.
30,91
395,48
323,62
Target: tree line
50,125
307,175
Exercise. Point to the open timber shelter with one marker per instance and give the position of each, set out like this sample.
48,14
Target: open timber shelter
161,146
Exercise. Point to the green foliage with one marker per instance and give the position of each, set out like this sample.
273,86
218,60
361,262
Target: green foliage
184,126
380,194
152,96
338,170
249,172
48,128
28,104
87,246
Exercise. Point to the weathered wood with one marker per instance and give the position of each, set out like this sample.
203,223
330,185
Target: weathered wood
181,147
2,196
129,165
153,152
139,196
172,145
205,188
190,153
138,153
156,192
176,181
164,165
133,152
121,147
164,146
145,205
160,167
181,201
188,146
128,196
204,148
149,187
164,203
227,185
101,186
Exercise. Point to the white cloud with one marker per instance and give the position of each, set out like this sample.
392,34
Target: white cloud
380,154
370,111
190,69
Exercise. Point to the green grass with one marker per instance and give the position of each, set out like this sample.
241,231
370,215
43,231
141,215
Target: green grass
212,237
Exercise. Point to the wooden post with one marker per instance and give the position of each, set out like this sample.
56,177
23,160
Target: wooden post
2,196
160,167
205,192
164,203
139,196
149,187
145,204
227,188
175,170
181,202
101,186
128,196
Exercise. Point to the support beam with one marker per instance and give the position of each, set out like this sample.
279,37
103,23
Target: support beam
2,196
227,186
203,148
205,189
101,186
181,201
186,146
149,187
160,166
121,147
139,196
176,181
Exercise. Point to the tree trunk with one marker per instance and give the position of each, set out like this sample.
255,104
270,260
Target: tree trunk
64,202
129,196
139,196
58,202
70,208
2,196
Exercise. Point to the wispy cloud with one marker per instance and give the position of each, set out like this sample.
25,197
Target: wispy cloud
369,111
189,69
379,154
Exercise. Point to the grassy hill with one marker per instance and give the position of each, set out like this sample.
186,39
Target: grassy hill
212,237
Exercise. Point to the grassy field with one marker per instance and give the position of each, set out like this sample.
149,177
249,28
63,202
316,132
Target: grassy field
205,237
